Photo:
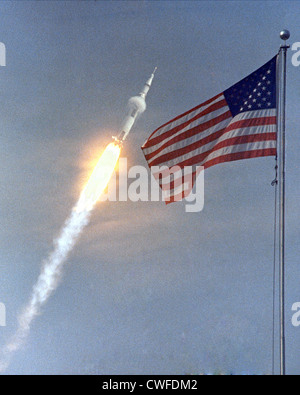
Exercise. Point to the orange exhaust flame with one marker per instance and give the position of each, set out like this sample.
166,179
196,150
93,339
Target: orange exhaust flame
99,179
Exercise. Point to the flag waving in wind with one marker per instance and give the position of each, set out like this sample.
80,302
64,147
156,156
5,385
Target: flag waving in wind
239,123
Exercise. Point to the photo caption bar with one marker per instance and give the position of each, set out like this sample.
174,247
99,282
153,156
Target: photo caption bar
149,383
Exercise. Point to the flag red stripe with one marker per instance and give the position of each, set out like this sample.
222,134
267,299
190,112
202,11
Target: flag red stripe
199,143
170,132
197,160
177,198
192,132
176,183
184,114
225,143
234,125
244,123
241,155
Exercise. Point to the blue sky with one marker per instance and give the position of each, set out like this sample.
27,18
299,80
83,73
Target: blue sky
148,289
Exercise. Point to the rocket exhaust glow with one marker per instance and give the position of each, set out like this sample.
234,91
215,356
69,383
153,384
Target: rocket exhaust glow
52,267
100,178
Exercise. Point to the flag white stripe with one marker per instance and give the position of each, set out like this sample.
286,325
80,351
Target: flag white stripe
221,125
258,145
194,124
173,192
183,119
178,174
251,130
255,114
247,131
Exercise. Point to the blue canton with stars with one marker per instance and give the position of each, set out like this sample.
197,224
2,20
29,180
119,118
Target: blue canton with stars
255,92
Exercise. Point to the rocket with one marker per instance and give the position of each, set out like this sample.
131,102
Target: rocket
137,105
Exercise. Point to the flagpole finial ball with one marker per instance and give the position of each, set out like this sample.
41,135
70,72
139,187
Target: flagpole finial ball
285,35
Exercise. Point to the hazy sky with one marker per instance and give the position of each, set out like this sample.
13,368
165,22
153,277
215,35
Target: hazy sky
149,288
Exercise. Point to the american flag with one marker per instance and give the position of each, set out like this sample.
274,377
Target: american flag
239,123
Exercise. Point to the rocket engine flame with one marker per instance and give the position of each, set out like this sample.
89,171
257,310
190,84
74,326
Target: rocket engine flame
99,178
51,271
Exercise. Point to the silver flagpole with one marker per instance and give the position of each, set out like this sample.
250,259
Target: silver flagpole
284,35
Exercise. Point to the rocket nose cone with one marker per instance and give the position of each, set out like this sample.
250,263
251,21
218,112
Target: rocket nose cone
149,82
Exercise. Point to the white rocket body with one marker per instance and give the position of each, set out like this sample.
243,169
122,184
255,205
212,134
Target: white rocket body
137,105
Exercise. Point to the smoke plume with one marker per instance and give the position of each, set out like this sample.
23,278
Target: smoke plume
47,282
52,267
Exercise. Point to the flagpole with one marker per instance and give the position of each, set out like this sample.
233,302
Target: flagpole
284,35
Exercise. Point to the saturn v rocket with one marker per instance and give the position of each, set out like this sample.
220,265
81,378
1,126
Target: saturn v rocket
137,105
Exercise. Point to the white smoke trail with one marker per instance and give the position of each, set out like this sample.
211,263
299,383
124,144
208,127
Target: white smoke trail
52,266
47,282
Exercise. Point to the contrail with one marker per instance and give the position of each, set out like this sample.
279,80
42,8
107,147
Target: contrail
51,271
47,282
52,267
